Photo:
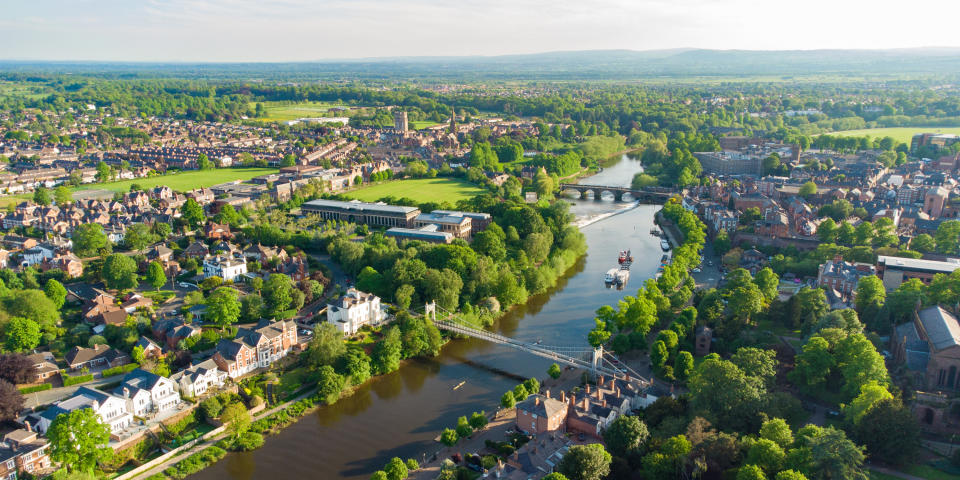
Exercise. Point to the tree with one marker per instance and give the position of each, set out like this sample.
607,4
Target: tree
237,419
889,431
449,437
585,462
766,454
42,196
832,456
923,243
767,282
326,346
387,353
790,475
34,305
730,396
778,431
211,408
478,420
625,436
192,213
119,272
137,354
329,384
871,394
948,237
808,190
756,362
683,365
555,476
11,401
278,292
21,334
396,469
814,363
89,240
554,371
750,472
508,400
103,172
156,277
870,289
56,292
223,306
203,162
659,355
139,236
78,440
62,196
16,368
464,429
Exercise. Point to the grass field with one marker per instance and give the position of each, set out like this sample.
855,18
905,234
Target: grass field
421,124
283,111
178,181
420,189
901,134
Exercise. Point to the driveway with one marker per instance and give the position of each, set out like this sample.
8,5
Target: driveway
49,396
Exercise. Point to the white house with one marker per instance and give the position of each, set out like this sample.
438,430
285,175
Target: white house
145,392
224,267
354,310
111,409
199,378
38,254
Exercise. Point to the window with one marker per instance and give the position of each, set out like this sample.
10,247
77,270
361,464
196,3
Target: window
10,466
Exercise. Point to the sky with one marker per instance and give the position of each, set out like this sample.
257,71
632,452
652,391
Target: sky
310,30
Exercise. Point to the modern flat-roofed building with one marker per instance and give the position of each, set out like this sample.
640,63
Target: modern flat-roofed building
458,226
428,233
371,214
896,270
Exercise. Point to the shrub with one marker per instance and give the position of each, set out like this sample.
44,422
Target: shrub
121,369
36,388
68,380
210,408
249,441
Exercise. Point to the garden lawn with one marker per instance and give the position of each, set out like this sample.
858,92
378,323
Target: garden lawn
421,190
901,134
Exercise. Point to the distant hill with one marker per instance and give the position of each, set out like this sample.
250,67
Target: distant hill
595,64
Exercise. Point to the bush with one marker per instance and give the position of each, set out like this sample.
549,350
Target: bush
121,369
36,388
249,441
211,408
68,380
182,425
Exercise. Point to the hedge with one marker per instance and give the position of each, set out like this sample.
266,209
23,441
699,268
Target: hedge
121,369
36,388
68,380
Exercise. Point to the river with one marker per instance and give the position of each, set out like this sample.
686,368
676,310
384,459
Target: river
399,415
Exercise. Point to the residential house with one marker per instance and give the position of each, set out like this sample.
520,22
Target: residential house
261,254
354,310
146,392
217,231
256,348
150,348
111,409
842,276
224,267
23,451
196,250
199,378
100,356
173,330
540,414
46,366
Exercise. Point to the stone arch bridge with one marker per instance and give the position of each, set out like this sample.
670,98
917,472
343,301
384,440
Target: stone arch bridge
649,195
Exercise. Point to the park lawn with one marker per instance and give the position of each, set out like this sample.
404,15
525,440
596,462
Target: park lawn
929,472
159,297
282,111
901,134
421,190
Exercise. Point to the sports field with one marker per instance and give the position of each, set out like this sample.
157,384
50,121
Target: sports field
283,111
420,190
421,124
901,134
178,181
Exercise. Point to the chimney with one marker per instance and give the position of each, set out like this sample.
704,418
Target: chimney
600,381
586,403
546,393
563,396
28,427
536,400
612,383
588,389
616,391
599,396
604,403
573,400
126,392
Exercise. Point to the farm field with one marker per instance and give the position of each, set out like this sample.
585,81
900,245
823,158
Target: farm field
419,189
283,111
901,134
178,181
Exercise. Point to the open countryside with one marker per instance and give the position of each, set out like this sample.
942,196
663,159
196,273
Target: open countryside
420,190
900,134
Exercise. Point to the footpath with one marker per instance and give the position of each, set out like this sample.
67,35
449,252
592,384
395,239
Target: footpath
211,439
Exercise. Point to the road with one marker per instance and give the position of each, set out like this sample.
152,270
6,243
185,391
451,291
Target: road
709,277
49,396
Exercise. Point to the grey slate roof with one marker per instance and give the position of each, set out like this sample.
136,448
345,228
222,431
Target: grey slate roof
942,328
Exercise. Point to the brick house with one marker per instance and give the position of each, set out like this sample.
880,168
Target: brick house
23,451
256,348
540,414
100,356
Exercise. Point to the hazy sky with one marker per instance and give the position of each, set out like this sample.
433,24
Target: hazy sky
298,30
